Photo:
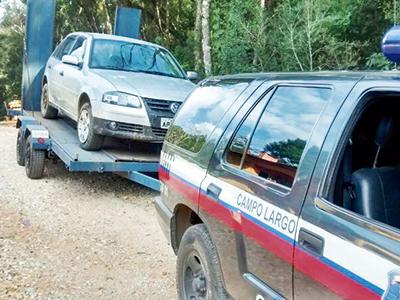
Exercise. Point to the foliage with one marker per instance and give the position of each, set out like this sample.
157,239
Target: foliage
11,45
246,36
290,150
191,142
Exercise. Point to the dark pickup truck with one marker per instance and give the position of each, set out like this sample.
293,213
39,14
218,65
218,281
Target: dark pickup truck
285,186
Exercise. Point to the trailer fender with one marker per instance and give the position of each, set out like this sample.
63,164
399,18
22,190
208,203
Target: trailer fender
23,121
40,138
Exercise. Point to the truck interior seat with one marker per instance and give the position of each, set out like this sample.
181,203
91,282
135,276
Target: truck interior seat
377,190
377,194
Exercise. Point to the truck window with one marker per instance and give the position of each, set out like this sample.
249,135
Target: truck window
367,175
201,112
281,134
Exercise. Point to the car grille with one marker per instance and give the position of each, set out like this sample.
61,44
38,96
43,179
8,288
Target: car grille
130,127
160,132
159,105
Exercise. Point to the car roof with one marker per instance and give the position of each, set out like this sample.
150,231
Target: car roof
315,76
99,36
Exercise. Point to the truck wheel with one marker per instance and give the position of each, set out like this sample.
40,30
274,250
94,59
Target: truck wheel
20,149
34,160
48,112
199,274
87,137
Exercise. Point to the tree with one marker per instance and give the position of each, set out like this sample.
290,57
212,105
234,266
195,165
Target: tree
206,37
11,49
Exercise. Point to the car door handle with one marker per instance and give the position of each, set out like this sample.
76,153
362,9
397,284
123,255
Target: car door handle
48,67
61,73
311,242
214,191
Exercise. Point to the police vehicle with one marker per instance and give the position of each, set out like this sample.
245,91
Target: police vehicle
285,186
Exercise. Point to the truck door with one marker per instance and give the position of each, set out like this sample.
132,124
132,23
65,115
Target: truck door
344,249
255,187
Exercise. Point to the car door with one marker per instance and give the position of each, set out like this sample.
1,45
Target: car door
73,78
255,187
54,71
346,255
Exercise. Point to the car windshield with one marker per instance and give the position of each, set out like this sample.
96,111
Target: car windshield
131,57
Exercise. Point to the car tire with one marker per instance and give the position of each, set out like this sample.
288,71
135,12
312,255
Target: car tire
34,160
20,149
88,139
199,274
48,112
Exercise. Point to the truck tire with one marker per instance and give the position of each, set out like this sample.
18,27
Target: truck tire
48,112
88,139
199,274
20,149
34,160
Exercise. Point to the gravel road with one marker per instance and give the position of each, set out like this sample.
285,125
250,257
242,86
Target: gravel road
78,235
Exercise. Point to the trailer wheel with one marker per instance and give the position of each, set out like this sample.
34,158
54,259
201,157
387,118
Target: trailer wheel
34,160
48,111
199,273
20,149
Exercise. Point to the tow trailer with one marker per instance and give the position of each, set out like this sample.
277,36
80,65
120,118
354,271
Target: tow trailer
41,139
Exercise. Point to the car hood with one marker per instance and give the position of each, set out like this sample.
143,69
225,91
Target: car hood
148,85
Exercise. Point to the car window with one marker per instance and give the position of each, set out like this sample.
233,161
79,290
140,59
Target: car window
78,49
280,136
65,47
132,57
201,112
237,147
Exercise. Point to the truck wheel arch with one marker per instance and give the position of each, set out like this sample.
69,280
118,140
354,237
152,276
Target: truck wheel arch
183,218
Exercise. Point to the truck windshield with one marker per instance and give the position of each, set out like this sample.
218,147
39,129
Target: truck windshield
131,57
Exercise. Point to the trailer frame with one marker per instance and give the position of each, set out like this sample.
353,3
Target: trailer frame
60,143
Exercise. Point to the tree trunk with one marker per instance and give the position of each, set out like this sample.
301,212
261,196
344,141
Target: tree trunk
108,25
197,37
206,37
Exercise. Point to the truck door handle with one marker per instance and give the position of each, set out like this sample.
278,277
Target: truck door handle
61,73
48,67
311,242
214,191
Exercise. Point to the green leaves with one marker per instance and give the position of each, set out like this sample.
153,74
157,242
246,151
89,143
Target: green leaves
285,35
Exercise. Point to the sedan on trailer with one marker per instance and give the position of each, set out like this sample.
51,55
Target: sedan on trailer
114,86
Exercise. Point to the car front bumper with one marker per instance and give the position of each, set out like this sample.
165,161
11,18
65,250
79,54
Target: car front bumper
128,130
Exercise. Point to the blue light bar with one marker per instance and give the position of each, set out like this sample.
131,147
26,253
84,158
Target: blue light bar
391,44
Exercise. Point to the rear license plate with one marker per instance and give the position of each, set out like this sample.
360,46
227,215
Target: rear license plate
165,123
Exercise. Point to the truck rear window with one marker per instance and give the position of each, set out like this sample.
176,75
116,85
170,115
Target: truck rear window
201,113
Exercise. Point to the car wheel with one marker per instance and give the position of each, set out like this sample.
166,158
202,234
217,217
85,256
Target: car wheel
199,274
88,139
34,160
20,149
48,112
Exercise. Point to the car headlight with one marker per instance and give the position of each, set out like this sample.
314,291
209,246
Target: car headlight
123,99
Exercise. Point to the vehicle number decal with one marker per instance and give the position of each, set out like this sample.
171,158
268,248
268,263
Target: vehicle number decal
166,160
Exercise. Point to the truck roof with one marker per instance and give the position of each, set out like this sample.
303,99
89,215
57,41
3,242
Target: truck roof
316,76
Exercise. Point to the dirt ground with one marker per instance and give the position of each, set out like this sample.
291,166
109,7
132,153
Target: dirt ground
78,235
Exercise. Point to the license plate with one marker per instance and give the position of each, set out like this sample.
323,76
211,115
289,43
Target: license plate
165,123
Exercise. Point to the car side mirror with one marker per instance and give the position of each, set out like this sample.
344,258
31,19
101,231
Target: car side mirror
192,75
72,60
